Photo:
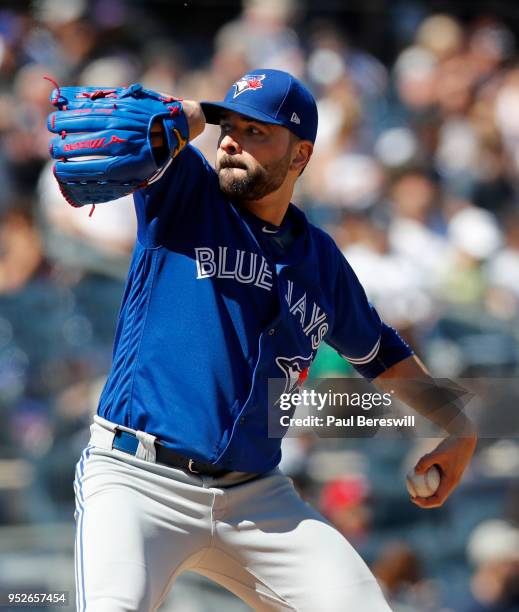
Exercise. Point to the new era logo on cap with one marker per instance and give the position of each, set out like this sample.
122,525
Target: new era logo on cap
295,118
247,83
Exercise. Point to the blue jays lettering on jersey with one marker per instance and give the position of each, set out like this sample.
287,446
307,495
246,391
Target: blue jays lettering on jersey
211,311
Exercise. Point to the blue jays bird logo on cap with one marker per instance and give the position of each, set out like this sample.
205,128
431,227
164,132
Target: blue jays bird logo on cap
247,83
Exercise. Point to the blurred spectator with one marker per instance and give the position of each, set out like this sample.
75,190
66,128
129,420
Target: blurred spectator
342,173
401,576
22,128
265,34
490,44
109,72
344,501
502,273
474,236
442,35
415,76
72,31
392,280
494,550
102,242
21,253
164,64
331,56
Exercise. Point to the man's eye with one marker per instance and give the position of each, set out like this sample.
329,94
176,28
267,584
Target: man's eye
254,131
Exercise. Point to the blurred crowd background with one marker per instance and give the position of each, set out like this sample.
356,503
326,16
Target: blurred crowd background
415,174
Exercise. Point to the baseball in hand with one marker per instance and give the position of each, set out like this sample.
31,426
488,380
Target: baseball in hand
423,485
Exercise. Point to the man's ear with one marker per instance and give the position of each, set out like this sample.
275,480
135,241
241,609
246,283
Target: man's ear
301,154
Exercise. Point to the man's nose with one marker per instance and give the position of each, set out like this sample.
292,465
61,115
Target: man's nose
230,145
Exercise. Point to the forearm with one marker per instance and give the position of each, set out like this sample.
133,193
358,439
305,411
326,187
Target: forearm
195,118
412,384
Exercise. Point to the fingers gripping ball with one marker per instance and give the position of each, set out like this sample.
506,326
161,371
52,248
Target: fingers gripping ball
105,140
423,485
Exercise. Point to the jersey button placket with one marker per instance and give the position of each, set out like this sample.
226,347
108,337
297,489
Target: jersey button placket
271,331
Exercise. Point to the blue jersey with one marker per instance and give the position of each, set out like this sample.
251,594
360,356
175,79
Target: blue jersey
215,304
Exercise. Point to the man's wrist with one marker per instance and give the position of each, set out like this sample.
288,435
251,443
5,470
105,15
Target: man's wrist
195,118
440,402
461,427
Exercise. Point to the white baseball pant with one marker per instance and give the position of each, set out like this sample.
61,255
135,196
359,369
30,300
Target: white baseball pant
140,524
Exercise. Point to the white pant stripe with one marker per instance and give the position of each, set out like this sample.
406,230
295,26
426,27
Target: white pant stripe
80,577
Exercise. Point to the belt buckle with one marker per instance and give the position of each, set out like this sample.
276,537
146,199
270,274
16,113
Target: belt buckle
190,467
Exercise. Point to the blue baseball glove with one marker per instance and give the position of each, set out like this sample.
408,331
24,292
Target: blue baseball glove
105,146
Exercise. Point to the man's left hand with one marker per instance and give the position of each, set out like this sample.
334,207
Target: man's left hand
451,456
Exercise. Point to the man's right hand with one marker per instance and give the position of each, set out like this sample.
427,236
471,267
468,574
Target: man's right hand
195,121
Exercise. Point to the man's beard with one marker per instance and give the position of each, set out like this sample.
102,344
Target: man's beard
255,183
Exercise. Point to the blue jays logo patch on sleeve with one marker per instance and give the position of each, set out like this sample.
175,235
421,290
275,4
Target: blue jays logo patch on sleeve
247,83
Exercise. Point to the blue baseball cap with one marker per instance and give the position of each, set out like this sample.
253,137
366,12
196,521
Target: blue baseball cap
270,96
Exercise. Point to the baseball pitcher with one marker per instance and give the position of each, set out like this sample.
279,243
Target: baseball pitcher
229,285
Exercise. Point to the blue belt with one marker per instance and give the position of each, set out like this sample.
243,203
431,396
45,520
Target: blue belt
128,443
